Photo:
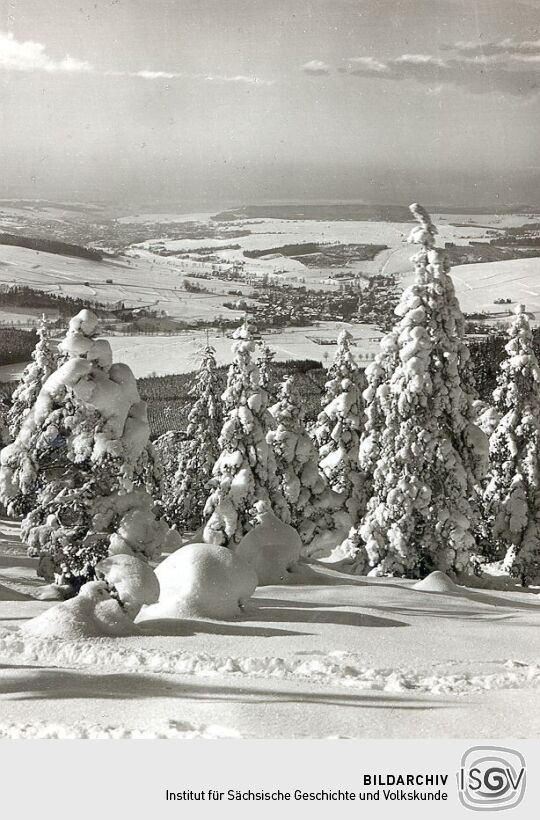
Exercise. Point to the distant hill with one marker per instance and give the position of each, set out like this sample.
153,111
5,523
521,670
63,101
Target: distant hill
331,212
350,211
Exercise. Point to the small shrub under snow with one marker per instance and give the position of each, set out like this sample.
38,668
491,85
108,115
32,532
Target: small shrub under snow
93,613
202,581
135,582
436,582
272,548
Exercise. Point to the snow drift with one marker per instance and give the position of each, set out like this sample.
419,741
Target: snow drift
202,581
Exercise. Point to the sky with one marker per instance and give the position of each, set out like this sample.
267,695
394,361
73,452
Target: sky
214,102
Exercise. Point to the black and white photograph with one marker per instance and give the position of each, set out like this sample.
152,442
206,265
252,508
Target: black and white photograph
269,371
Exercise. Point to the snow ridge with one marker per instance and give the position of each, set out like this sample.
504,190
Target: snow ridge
174,730
338,668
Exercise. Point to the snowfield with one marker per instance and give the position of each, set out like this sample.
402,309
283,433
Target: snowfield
163,355
342,657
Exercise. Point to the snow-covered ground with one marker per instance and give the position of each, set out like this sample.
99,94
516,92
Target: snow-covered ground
180,353
478,286
342,657
165,355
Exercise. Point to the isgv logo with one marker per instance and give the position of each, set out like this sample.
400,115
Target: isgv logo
491,778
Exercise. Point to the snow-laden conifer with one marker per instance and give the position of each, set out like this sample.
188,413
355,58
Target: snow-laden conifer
245,471
300,480
338,427
201,450
72,465
425,455
43,363
5,437
264,361
513,493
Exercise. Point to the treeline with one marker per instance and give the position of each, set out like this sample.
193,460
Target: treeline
35,243
16,345
487,252
169,403
322,212
24,296
285,250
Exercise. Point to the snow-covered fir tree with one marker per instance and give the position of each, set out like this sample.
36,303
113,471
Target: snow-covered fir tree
200,453
300,480
5,437
426,456
167,451
245,471
338,427
43,363
513,493
72,465
264,362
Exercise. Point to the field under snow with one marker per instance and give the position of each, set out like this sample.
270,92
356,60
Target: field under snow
163,355
342,657
143,281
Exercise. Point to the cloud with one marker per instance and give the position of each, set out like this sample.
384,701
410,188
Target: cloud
153,75
524,49
243,79
316,67
506,67
31,56
358,65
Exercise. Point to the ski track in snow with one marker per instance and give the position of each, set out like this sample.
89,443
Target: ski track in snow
174,730
338,668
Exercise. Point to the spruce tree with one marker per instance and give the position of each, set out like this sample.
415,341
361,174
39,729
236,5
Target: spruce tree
264,361
5,436
71,468
338,427
425,454
512,495
301,482
44,362
245,471
201,450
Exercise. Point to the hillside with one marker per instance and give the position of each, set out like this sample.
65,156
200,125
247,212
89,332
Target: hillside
479,285
148,281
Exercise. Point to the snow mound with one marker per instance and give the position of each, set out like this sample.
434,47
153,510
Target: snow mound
135,582
138,533
174,730
272,548
202,581
436,582
53,592
92,614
